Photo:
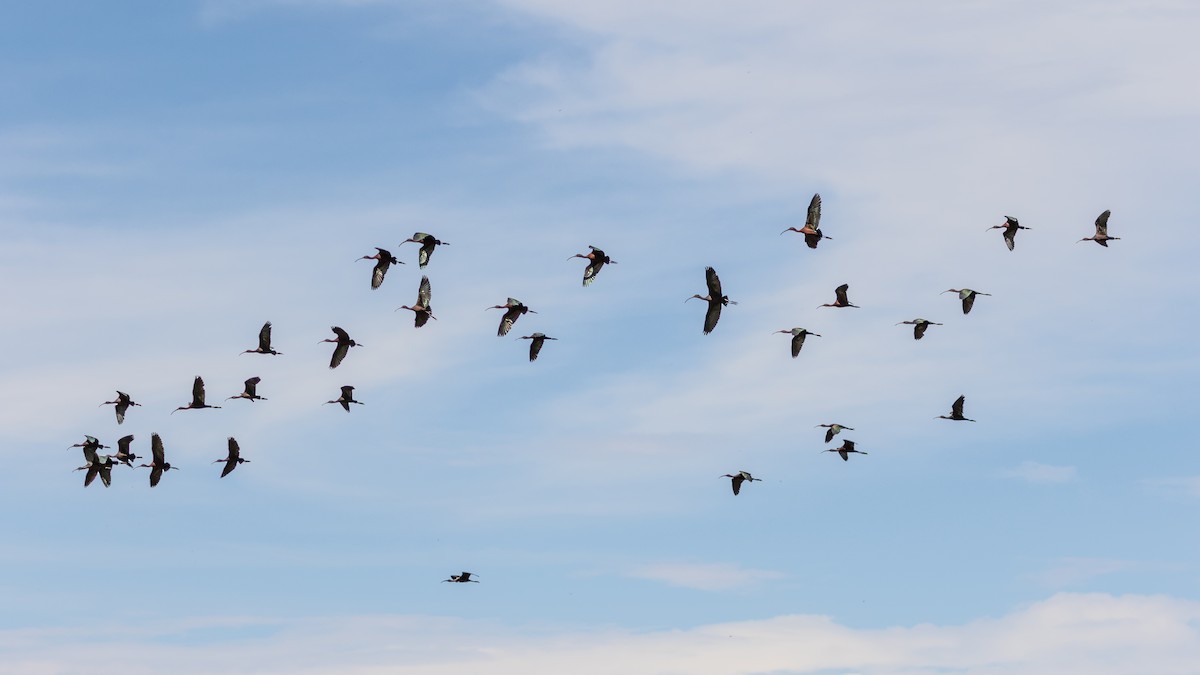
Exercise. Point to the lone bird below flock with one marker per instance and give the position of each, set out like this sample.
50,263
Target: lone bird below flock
264,342
598,260
1101,237
841,298
122,404
739,478
422,312
197,397
919,327
158,463
513,311
344,343
461,578
346,398
956,411
812,224
845,450
428,242
536,345
384,259
232,459
967,296
1010,228
250,391
798,335
715,299
833,430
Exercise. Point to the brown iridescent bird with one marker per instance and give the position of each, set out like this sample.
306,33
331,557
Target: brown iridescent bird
1010,228
919,326
384,259
344,343
833,430
513,311
250,391
422,312
812,224
536,345
346,398
232,459
715,299
428,242
158,463
967,296
841,298
597,259
264,342
1101,237
123,454
197,397
845,450
122,404
956,411
739,478
98,466
798,335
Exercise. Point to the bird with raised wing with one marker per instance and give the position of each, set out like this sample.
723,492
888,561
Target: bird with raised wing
956,411
98,466
421,310
158,462
250,390
513,309
124,455
122,403
715,299
812,224
919,326
798,335
597,260
346,398
264,342
841,298
461,578
91,447
197,397
832,430
739,478
845,450
384,259
536,345
428,242
967,296
1010,227
1101,237
232,459
344,343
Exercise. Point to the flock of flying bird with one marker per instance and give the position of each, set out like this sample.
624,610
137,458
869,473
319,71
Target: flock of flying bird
101,465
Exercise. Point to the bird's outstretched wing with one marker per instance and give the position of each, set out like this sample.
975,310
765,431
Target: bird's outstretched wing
714,283
814,213
712,316
1102,224
156,449
198,392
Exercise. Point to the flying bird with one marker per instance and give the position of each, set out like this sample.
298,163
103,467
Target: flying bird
250,391
1101,237
513,311
90,447
967,296
798,335
598,259
845,450
422,312
428,243
264,342
197,397
833,430
1010,227
536,345
461,578
384,259
232,459
98,466
919,326
123,454
812,224
841,299
739,478
715,299
344,343
956,411
122,404
158,463
346,398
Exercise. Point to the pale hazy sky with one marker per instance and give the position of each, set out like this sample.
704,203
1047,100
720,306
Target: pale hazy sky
172,175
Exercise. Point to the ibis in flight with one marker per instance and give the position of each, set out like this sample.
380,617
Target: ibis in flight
250,390
1010,227
428,242
513,309
384,259
597,259
919,326
346,398
422,312
264,342
967,296
715,299
956,411
122,404
461,578
739,478
841,298
536,345
158,462
344,343
832,430
197,397
812,224
1101,237
232,459
798,335
845,450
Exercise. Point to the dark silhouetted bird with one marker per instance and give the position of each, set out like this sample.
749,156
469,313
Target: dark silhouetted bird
956,411
264,342
250,391
122,404
428,243
232,459
597,260
812,224
845,450
1010,228
1101,237
100,465
919,327
344,343
158,463
841,298
967,296
715,299
384,259
422,312
832,430
739,478
461,578
536,345
197,397
123,454
346,398
513,311
798,335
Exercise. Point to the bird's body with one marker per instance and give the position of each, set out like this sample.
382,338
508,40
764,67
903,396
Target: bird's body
1101,237
841,298
832,430
384,259
536,345
919,327
1010,227
346,398
251,390
812,224
428,242
513,309
967,296
956,411
232,459
264,342
122,403
798,335
123,454
845,450
597,259
422,312
91,447
739,478
463,578
197,397
158,462
98,466
715,299
344,343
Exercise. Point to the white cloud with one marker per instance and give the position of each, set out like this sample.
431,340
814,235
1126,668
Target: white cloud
703,576
1077,633
1033,472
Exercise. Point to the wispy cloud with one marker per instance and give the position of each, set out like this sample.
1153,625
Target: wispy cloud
704,576
1033,472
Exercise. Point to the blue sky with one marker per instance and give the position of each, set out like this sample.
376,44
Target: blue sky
174,174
